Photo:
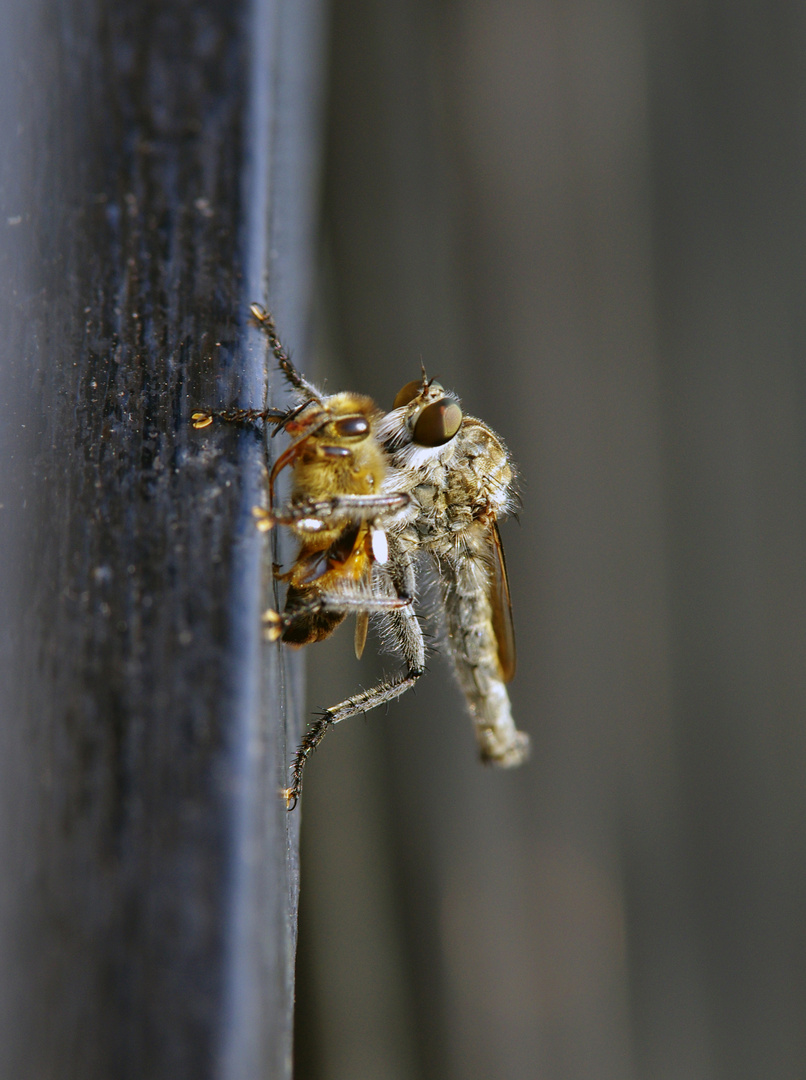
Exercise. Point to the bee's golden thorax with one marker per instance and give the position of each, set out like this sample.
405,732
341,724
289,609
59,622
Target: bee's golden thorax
340,454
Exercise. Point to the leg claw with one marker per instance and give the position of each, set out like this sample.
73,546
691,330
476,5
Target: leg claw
272,625
264,519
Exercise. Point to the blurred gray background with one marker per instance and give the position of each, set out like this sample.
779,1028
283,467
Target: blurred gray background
589,220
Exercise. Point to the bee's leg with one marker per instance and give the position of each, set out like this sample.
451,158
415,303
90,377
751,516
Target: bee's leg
266,323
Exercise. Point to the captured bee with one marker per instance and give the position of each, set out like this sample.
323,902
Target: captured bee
335,509
460,479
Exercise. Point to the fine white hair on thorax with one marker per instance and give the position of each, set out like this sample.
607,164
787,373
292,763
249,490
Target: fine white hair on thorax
392,429
423,459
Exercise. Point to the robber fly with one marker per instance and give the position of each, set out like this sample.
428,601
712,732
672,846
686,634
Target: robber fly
337,509
460,478
369,495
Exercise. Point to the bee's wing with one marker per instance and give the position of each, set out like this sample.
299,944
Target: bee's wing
502,607
365,541
361,627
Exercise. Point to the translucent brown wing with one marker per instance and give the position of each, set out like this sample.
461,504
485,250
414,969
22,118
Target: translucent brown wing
362,618
361,627
502,607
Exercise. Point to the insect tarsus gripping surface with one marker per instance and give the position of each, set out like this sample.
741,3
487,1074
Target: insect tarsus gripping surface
385,691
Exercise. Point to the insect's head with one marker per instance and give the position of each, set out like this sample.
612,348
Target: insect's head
343,418
431,416
327,432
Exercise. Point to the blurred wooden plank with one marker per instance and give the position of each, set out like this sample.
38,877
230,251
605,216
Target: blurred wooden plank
158,169
727,93
587,219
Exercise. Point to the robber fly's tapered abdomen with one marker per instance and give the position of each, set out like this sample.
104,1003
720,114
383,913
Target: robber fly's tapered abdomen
468,599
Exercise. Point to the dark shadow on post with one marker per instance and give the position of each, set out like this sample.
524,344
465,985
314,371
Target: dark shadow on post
158,173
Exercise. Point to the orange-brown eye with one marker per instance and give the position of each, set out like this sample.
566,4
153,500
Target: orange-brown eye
352,426
408,393
437,423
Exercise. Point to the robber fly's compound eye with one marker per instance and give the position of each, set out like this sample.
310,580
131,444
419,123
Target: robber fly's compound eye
352,427
437,423
408,393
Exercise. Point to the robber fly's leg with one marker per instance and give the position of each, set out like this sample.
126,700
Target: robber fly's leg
205,418
310,515
403,627
275,623
266,323
279,417
385,691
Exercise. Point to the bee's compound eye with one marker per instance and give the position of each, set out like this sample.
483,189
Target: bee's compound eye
352,426
408,393
437,423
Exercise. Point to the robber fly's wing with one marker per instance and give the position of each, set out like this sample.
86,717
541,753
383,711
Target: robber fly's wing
361,627
502,607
